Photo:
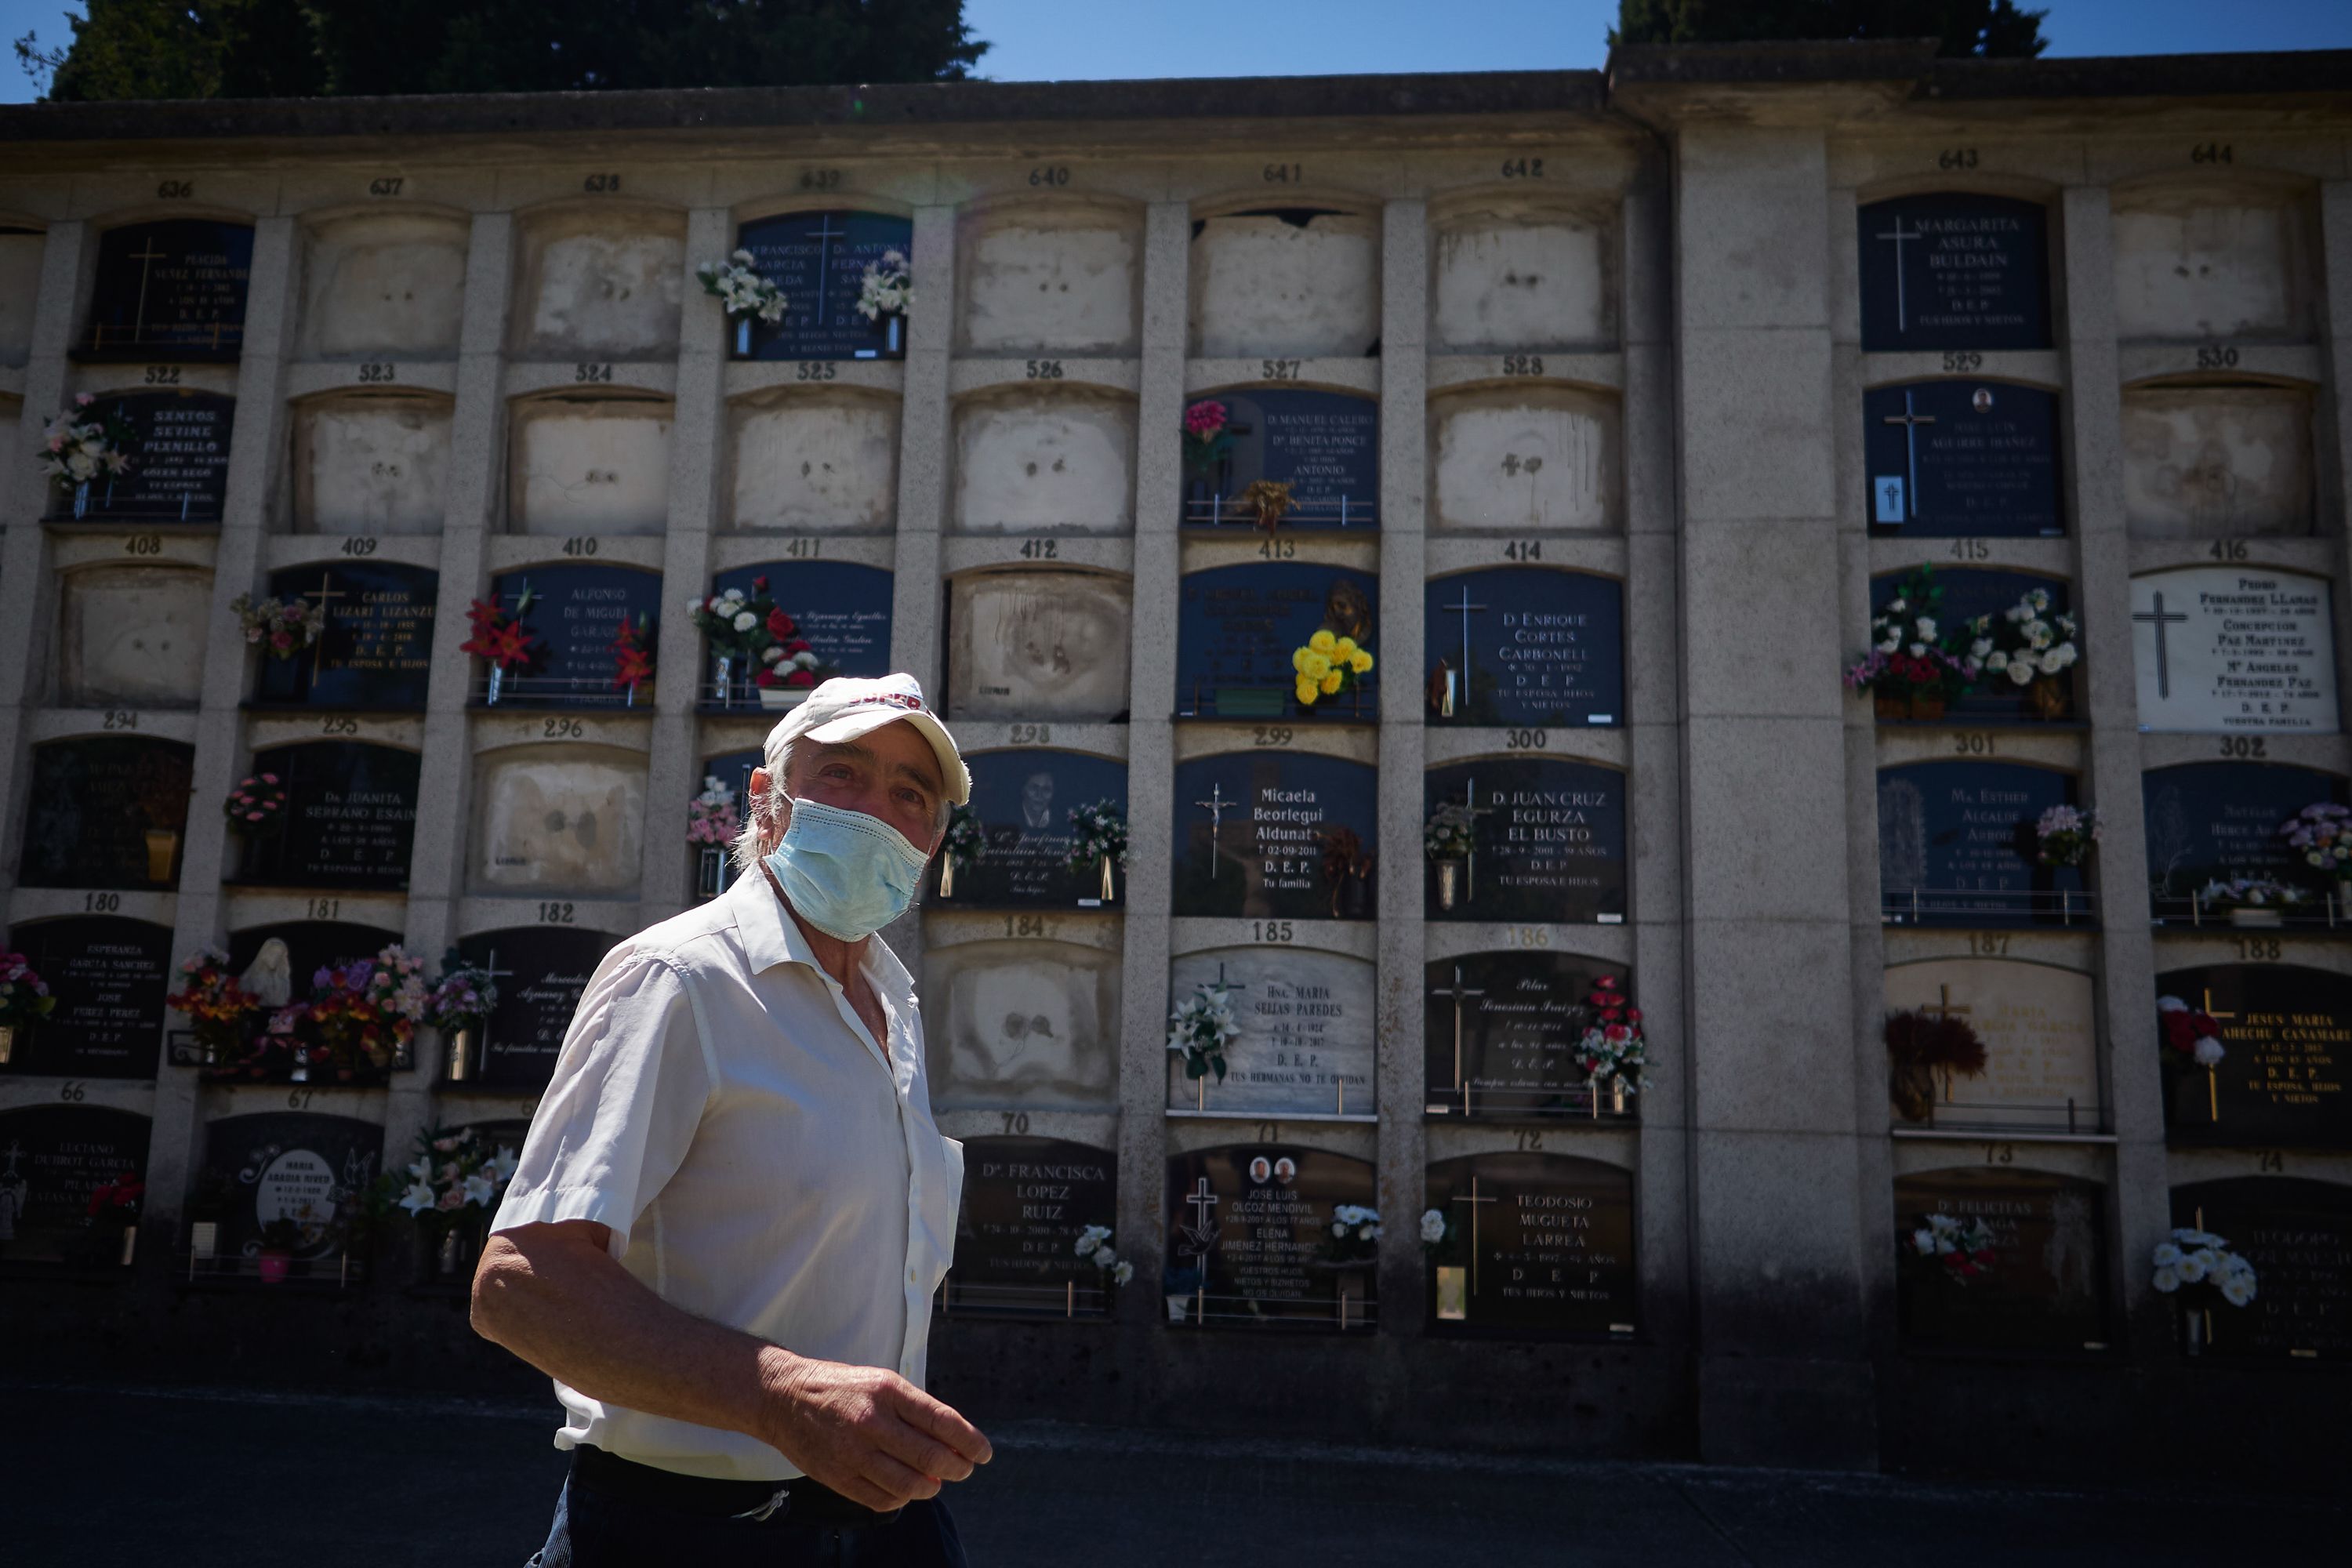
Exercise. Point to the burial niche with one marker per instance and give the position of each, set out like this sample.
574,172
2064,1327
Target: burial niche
375,649
349,822
818,260
1058,462
1529,1247
1525,645
1269,1237
1277,834
2217,461
107,812
809,462
1963,459
1038,645
1521,838
375,463
2297,1234
2224,649
311,945
391,283
2036,1278
1063,278
1028,850
590,463
1499,1034
2218,848
1957,846
1239,629
1518,274
1026,1023
2218,258
600,283
842,610
1301,280
2254,1055
175,446
109,975
72,1178
132,636
311,1170
1026,1201
1306,1045
1971,594
1954,269
540,972
1324,446
574,614
2039,1028
560,819
170,290
1525,457
20,291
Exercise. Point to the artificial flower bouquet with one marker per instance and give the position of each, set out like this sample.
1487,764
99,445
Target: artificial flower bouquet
2323,833
1328,665
1099,839
2026,648
1923,1050
449,1192
284,627
357,1019
2251,900
1208,438
79,445
220,1008
1962,1249
737,285
2199,1272
963,845
1268,500
256,804
712,817
1094,1246
887,288
1613,1051
501,640
24,1000
1355,1235
1202,1027
633,656
2064,835
1910,669
463,998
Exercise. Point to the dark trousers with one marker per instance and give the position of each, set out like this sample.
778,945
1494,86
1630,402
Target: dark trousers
600,1526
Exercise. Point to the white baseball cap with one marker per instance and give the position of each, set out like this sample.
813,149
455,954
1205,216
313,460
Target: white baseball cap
842,710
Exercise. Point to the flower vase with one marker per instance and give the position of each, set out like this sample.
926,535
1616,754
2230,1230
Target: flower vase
162,847
271,1267
81,500
1617,1097
1178,1306
1449,877
744,337
8,1043
710,871
1888,706
775,696
947,876
1927,706
1109,891
2196,1331
129,1244
2048,698
465,1054
2262,917
894,333
498,683
722,671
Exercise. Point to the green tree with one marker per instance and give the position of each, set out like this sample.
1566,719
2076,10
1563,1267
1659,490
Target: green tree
1982,28
274,48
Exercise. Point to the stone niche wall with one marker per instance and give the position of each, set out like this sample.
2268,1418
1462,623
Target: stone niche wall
813,462
371,463
586,463
1515,274
1062,277
559,819
1029,1024
602,281
132,635
2213,258
20,284
1045,462
1519,456
1038,645
2204,461
383,283
1302,280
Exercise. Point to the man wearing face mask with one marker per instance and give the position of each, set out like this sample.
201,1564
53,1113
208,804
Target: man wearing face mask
733,1206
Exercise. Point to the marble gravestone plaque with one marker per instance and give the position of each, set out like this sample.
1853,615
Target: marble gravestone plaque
1955,847
1326,446
1962,459
1969,592
1307,1033
540,973
575,612
350,819
178,455
2215,821
1276,833
310,1169
1250,1243
842,611
1499,1033
171,291
2046,1289
53,1158
1237,626
1549,842
818,259
1023,1023
2226,649
2298,1235
560,819
2284,1079
132,636
377,649
1025,1202
1520,645
2040,1030
1535,1245
109,975
1023,801
310,946
105,811
1954,269
1039,644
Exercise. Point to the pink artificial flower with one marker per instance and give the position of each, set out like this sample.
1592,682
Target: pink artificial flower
83,400
270,778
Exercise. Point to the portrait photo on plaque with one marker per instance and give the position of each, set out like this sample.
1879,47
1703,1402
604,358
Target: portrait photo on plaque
2234,843
1525,839
821,262
2256,1055
2296,1233
1524,1246
108,976
1525,645
1027,1202
73,1181
374,648
1263,640
107,812
1282,457
1271,1238
2222,650
1277,834
1045,829
2000,1259
1959,845
1954,269
1948,459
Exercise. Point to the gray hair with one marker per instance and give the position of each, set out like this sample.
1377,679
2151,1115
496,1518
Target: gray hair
751,845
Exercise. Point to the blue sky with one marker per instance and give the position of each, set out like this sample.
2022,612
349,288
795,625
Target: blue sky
1045,40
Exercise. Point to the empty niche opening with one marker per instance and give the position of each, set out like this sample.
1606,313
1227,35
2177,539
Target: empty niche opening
588,463
2214,258
604,282
1539,457
384,283
559,819
1060,278
813,462
132,635
1031,461
1302,280
20,287
372,462
1523,274
2217,459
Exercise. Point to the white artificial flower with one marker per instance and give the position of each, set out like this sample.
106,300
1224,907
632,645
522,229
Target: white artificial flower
1997,660
771,654
2171,1004
502,1164
2238,1288
1918,650
1121,1273
1371,1233
1894,641
2197,1238
1433,1226
2039,635
2050,663
480,1189
2193,1269
1091,1239
1340,1228
418,1198
2208,1051
1924,1242
1980,647
744,621
1897,607
1926,627
693,607
2020,670
1104,1258
2168,1280
742,259
2167,1255
420,1170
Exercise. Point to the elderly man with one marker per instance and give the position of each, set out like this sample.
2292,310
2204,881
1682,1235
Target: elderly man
733,1205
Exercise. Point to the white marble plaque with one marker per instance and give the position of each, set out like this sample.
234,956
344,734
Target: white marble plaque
559,819
370,465
133,636
1539,459
384,283
2231,648
1031,1024
1295,284
590,465
1038,645
1038,463
815,463
2202,462
2039,1030
1307,1032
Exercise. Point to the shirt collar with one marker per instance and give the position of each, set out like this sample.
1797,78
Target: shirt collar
771,937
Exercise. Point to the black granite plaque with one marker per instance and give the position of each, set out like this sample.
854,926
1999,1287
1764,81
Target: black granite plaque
2298,1235
842,611
377,651
1023,801
350,819
2045,1287
1967,594
310,1169
310,946
1962,458
2284,1079
1025,1200
170,290
177,449
1237,626
1326,446
1521,645
540,972
1499,1033
2212,822
1954,269
1251,1244
1550,842
1281,833
1534,1245
55,1160
1955,847
109,975
576,612
107,812
818,259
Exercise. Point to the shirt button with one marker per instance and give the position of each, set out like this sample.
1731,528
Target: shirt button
911,1276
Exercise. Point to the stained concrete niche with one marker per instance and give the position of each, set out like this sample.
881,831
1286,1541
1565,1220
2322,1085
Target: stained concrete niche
814,462
2205,461
371,463
1045,462
589,465
1038,645
1525,457
600,282
132,635
1516,275
1293,280
2212,260
559,819
384,283
20,286
1060,278
1031,1024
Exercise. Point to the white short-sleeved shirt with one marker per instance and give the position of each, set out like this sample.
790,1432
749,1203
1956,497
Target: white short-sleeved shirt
761,1159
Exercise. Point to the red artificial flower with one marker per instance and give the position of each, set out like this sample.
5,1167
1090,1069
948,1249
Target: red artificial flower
758,585
801,678
2179,1033
2207,1029
779,624
1984,1259
767,676
796,646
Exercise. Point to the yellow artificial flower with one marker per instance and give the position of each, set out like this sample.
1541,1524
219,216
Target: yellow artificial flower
1344,646
1361,660
1308,691
1322,642
1299,657
1315,666
1331,683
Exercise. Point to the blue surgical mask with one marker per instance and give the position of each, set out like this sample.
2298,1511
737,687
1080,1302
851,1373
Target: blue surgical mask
846,873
